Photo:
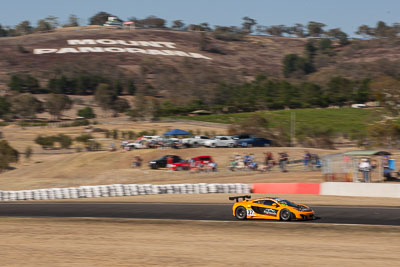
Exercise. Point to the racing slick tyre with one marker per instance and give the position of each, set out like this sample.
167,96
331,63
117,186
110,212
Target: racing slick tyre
285,215
241,213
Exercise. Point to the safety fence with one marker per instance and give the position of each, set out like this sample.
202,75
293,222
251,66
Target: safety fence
120,190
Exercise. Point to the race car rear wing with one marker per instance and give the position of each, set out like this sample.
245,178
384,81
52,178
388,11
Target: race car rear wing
238,197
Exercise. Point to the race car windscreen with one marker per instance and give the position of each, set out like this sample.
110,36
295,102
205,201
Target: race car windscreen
286,202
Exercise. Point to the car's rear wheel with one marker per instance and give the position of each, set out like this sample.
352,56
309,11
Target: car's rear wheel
285,215
230,145
266,144
241,213
249,145
179,168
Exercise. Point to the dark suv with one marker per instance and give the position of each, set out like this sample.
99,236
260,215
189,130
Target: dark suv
248,140
162,162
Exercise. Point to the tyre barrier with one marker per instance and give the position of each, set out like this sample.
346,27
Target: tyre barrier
119,190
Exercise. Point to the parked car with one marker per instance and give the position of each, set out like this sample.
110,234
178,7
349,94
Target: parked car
162,162
188,164
137,144
220,141
248,140
195,141
203,159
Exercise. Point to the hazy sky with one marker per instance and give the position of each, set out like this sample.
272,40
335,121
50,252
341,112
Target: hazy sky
346,14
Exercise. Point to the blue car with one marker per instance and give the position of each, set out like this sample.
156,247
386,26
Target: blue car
247,140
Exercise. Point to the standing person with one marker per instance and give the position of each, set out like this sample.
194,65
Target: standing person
283,160
307,159
365,168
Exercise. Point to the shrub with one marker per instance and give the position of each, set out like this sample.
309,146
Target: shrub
7,155
46,142
87,113
84,138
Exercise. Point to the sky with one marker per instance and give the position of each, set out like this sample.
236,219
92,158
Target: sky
345,14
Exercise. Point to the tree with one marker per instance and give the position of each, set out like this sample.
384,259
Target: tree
339,35
23,28
72,21
131,87
120,105
43,25
298,30
150,22
5,107
382,30
105,96
276,30
100,18
87,113
202,27
7,155
64,140
24,84
177,25
339,91
315,29
3,31
56,104
365,31
325,46
309,51
248,24
386,90
25,105
292,63
228,33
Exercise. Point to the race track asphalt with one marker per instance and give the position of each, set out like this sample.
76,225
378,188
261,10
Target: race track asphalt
181,211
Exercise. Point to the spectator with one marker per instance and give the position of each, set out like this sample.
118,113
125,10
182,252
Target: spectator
307,160
213,166
137,162
268,161
283,160
365,168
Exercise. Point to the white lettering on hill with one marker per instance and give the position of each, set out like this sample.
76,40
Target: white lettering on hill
110,46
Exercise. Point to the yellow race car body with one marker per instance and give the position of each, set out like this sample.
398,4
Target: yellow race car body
270,208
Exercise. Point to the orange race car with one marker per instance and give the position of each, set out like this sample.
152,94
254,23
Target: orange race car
270,208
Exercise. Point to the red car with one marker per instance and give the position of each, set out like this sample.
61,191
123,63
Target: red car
188,164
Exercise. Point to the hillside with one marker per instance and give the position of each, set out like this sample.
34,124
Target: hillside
254,55
164,67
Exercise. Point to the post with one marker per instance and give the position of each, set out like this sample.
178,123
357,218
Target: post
292,128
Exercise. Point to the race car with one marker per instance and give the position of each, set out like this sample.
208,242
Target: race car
270,208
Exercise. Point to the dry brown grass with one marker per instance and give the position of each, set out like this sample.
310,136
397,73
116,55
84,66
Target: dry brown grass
47,169
129,242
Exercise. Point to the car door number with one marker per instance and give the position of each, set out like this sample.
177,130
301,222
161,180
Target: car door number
250,212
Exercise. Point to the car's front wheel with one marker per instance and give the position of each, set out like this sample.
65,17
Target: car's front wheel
241,213
285,215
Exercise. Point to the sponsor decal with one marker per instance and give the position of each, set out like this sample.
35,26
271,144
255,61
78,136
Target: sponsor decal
270,212
119,46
